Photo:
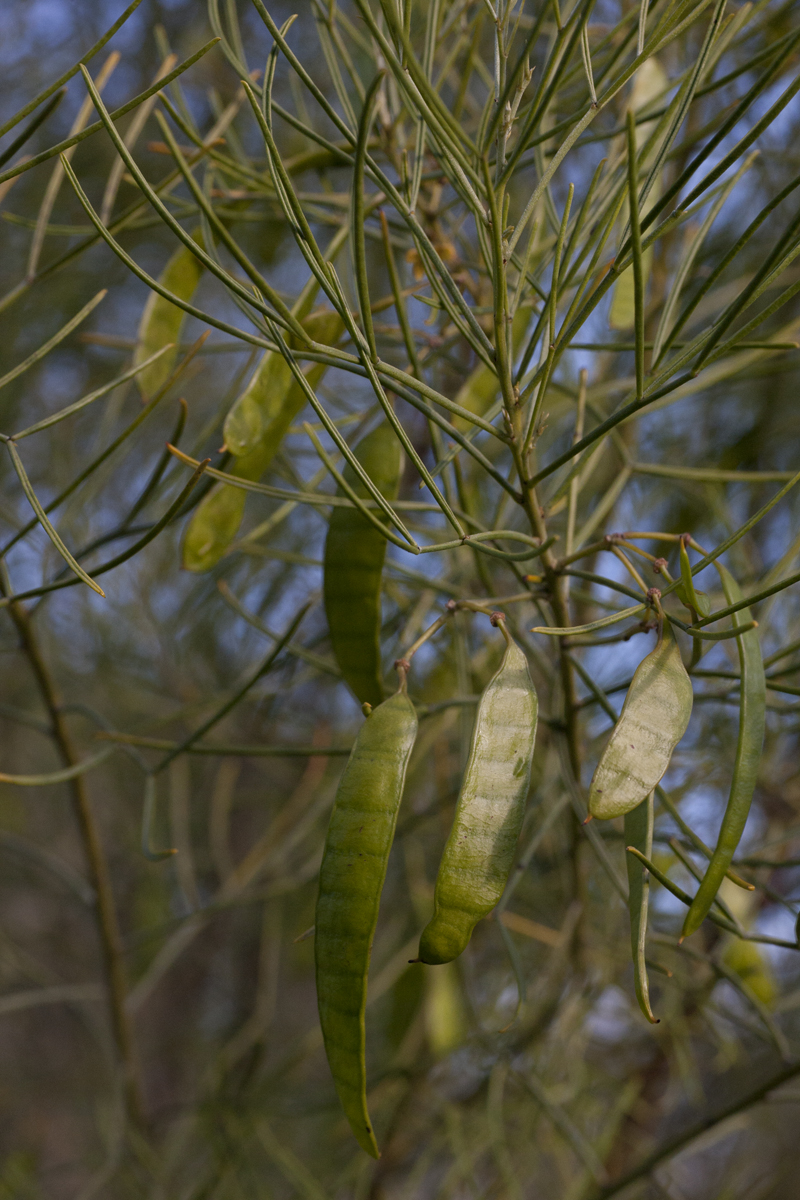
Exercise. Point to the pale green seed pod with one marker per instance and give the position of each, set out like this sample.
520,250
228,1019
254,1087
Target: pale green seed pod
479,853
162,321
254,430
653,720
273,398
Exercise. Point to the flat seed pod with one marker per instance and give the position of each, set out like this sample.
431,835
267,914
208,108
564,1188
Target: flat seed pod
254,430
272,398
649,82
218,516
263,398
213,526
162,321
354,554
350,883
479,852
445,1019
752,715
653,720
753,967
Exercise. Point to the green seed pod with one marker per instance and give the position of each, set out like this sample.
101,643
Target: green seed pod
753,968
354,554
254,430
479,852
653,720
272,398
350,883
649,82
446,1021
752,716
214,525
162,321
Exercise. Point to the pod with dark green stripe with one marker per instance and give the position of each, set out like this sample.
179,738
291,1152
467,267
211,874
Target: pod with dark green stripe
752,716
350,883
354,555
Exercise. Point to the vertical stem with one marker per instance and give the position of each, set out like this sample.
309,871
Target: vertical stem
521,449
358,216
556,584
636,248
108,926
556,280
500,298
466,716
552,306
574,486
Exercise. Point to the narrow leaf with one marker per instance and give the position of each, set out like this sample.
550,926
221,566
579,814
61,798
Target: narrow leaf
639,833
45,522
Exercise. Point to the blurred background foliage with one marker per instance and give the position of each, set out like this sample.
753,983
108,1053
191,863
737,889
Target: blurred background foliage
473,1094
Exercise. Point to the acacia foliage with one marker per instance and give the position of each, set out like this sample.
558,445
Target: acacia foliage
214,1082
